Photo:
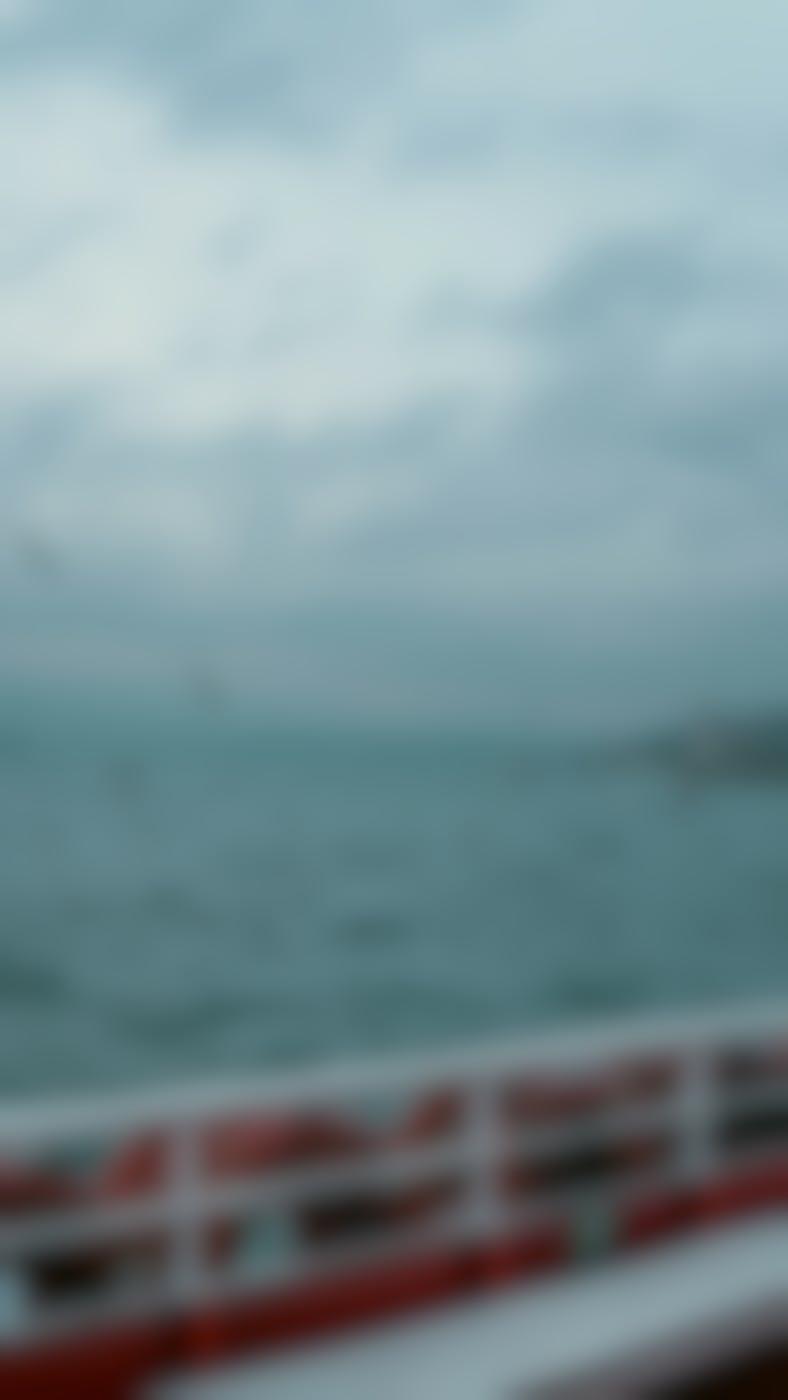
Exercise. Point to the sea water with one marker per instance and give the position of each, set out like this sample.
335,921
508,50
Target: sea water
186,894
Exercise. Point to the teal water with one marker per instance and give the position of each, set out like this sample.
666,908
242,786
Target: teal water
182,895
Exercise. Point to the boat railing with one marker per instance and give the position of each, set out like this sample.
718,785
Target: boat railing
190,1199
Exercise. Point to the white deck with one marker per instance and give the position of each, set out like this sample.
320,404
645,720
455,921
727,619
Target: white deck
719,1108
518,1343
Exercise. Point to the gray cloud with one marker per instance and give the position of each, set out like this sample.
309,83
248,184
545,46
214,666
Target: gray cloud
299,69
549,481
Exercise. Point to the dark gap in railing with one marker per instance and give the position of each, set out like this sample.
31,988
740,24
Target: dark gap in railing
599,1160
746,1128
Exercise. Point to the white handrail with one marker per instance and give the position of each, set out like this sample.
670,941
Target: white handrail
185,1201
39,1123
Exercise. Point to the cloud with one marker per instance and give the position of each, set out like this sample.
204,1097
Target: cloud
140,518
301,73
398,355
196,289
15,14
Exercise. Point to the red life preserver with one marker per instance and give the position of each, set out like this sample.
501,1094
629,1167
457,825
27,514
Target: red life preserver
27,1189
238,1148
438,1117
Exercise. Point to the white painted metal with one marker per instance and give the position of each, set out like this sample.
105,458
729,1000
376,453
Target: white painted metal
36,1124
186,1266
697,1115
187,1203
520,1345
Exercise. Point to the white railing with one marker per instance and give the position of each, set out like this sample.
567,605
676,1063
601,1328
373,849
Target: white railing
497,1169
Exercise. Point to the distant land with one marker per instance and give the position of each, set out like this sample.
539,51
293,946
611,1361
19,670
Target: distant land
750,748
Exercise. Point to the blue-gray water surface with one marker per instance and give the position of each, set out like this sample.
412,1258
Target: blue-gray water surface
180,897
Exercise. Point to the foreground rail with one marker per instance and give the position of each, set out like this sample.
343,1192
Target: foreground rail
150,1232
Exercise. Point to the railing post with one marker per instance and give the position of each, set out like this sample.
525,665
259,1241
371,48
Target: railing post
484,1130
186,1253
698,1093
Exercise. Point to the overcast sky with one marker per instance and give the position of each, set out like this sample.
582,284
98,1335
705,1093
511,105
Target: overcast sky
397,358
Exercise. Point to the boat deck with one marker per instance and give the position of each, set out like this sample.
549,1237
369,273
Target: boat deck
144,1235
661,1314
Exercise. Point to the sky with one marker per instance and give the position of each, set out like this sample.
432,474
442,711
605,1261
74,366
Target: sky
397,359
